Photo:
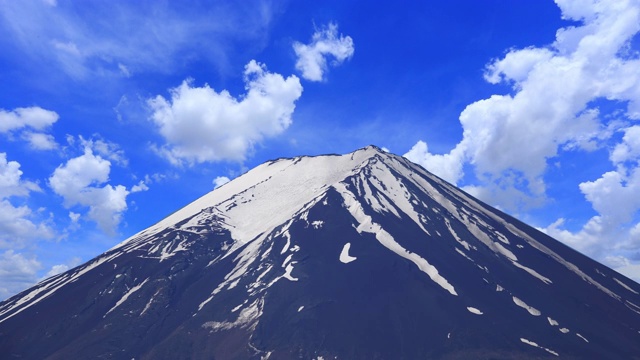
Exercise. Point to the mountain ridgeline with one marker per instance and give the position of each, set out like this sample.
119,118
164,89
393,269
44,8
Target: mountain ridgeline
357,256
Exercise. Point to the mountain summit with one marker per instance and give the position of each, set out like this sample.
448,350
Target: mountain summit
357,256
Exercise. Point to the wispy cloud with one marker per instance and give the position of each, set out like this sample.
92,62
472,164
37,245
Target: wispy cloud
123,37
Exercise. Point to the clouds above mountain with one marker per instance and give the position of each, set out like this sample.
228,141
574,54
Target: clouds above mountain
557,91
200,124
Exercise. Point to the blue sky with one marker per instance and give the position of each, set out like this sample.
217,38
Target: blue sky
113,114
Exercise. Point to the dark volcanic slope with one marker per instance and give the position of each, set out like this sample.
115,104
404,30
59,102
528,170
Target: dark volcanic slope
360,256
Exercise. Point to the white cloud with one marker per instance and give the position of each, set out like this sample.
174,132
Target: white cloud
631,271
201,125
82,181
516,65
325,42
40,141
219,181
10,182
56,269
447,166
629,148
74,217
17,227
615,195
552,105
17,222
141,186
509,140
60,268
17,272
32,117
104,148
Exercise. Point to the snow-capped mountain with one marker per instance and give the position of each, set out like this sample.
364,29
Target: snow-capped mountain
357,256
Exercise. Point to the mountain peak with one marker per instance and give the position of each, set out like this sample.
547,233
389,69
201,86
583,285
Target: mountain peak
363,255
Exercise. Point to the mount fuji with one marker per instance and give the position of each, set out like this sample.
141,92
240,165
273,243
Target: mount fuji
358,256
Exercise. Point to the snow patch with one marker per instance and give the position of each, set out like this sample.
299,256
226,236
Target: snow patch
582,337
288,243
625,286
632,306
287,272
533,311
465,255
248,318
344,254
529,342
474,310
151,300
126,296
367,225
533,273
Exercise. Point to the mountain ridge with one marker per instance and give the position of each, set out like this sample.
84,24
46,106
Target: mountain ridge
362,255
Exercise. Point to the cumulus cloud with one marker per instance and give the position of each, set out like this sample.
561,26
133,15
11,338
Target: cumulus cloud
325,43
202,125
509,139
552,107
219,181
447,166
83,181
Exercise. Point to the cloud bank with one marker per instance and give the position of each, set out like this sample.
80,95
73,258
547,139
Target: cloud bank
555,105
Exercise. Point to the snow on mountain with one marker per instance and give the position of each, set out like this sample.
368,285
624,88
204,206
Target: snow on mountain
357,256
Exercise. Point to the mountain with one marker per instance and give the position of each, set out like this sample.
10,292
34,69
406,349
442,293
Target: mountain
357,256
